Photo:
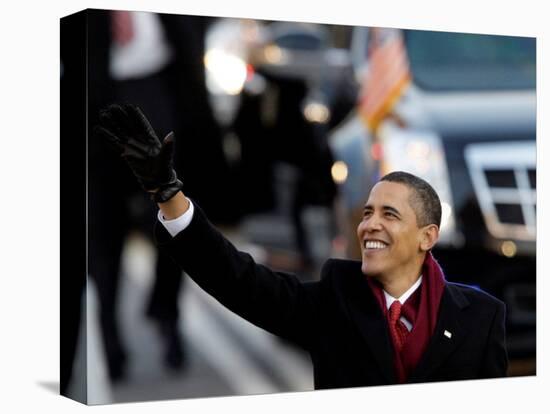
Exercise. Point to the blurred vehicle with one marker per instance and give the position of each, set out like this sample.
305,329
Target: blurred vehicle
467,124
317,57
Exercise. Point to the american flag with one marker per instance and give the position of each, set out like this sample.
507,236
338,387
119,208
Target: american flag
387,77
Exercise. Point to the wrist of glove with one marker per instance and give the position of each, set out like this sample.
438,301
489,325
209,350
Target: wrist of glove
151,160
167,190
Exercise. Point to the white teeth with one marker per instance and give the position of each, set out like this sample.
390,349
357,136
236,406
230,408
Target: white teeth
370,244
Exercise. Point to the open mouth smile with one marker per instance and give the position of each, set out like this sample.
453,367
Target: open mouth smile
373,245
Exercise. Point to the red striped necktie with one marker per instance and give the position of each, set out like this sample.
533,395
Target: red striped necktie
398,330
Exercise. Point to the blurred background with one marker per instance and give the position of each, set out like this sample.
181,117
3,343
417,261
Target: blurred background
282,128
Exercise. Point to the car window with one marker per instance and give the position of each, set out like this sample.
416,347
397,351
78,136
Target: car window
444,61
300,41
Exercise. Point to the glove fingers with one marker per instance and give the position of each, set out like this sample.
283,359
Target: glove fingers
115,118
144,148
140,124
111,138
122,147
108,122
167,150
132,155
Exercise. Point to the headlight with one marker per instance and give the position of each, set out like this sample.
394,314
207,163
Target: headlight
316,112
225,73
274,55
339,172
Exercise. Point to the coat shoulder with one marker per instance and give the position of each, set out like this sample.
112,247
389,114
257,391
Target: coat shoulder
343,276
473,295
341,268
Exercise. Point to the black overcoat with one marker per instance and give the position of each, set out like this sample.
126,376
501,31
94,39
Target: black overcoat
337,319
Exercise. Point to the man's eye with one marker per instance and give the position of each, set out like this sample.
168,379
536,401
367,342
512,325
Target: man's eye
388,214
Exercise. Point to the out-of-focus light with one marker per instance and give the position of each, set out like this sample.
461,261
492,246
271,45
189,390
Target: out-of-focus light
339,172
508,248
376,151
446,211
316,112
227,71
273,54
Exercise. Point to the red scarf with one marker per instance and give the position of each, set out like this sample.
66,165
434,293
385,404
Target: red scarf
421,309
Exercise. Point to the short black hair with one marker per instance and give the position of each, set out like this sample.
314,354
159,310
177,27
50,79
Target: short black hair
424,200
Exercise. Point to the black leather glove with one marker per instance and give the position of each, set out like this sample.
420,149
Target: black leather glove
150,160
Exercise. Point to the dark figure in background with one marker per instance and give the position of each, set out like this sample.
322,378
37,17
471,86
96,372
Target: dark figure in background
157,61
273,129
301,144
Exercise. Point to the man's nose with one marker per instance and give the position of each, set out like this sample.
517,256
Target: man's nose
373,223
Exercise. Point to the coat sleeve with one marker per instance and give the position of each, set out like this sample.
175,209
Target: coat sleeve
495,361
275,301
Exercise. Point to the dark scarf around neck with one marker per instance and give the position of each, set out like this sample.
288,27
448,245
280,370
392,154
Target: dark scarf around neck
421,309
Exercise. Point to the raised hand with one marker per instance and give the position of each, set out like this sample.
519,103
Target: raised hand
151,160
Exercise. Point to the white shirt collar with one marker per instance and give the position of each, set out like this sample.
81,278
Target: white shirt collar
390,299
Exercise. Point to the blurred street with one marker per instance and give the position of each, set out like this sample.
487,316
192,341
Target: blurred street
225,355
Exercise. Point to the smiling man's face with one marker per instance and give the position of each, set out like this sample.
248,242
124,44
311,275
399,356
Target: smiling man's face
390,239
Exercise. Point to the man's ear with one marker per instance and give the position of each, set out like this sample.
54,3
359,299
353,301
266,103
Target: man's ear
429,237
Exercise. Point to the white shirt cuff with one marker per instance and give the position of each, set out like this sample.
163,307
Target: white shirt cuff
174,226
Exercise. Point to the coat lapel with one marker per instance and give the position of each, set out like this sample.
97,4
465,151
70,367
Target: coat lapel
371,323
448,334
